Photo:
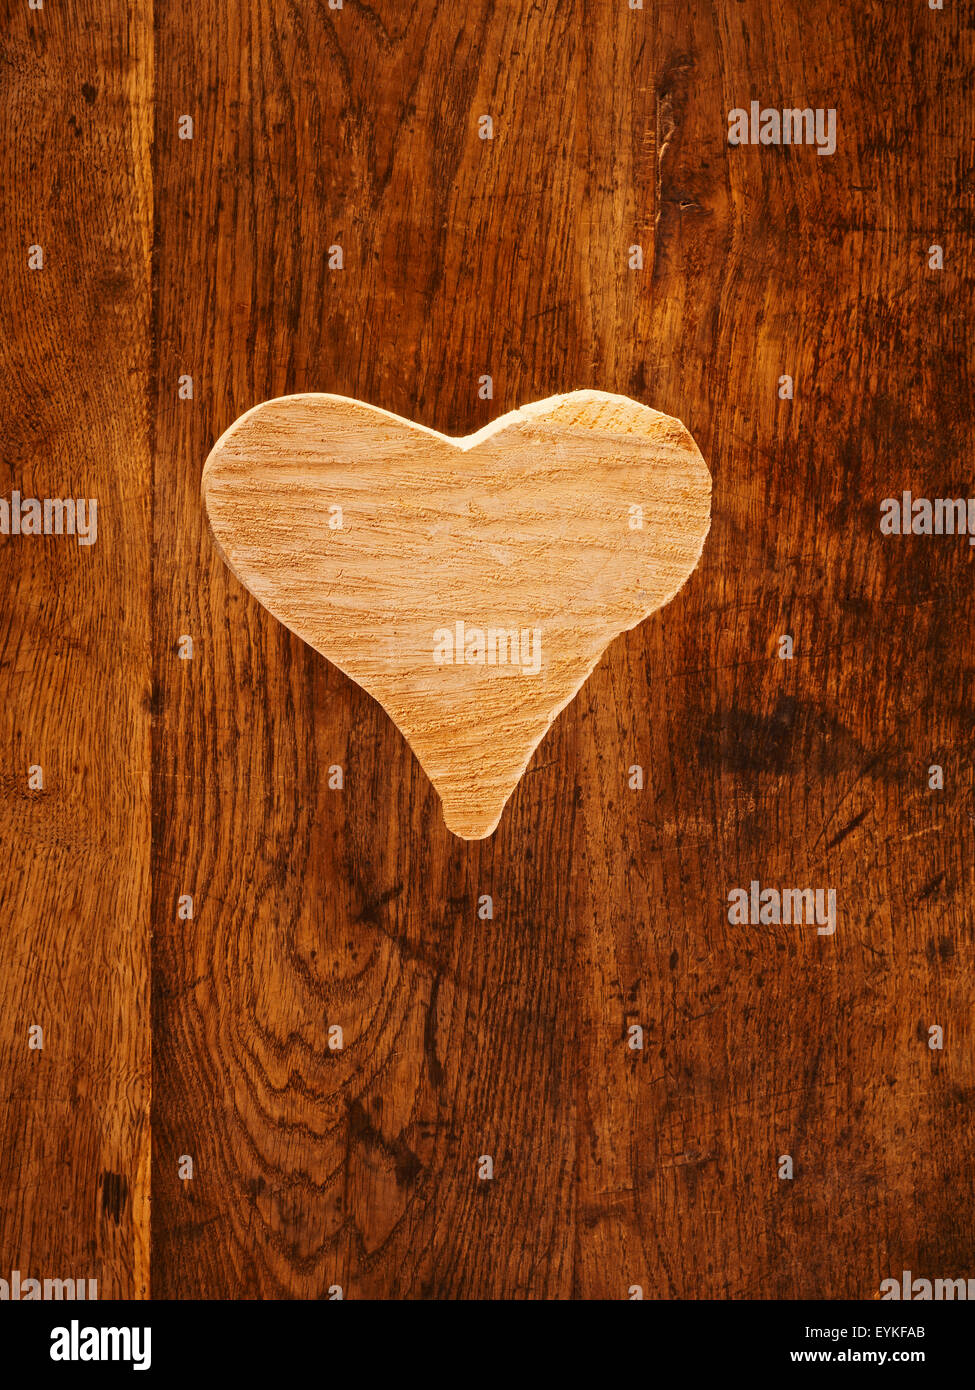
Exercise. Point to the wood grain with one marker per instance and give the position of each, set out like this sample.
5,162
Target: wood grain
508,1037
316,908
75,668
470,586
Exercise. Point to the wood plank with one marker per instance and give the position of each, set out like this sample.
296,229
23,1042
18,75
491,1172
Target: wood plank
74,632
464,1037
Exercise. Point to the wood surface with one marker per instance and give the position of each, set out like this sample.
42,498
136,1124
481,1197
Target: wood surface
75,669
315,907
470,585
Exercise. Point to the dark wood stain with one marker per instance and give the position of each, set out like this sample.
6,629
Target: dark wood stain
75,656
463,1038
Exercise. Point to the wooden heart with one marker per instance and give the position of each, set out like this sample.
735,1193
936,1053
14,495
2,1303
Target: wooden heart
470,585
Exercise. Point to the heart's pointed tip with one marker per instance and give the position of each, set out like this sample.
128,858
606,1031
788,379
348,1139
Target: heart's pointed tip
468,824
469,830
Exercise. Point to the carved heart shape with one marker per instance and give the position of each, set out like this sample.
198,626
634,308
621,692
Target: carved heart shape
469,585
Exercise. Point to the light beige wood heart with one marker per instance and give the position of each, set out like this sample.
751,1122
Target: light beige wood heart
523,549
